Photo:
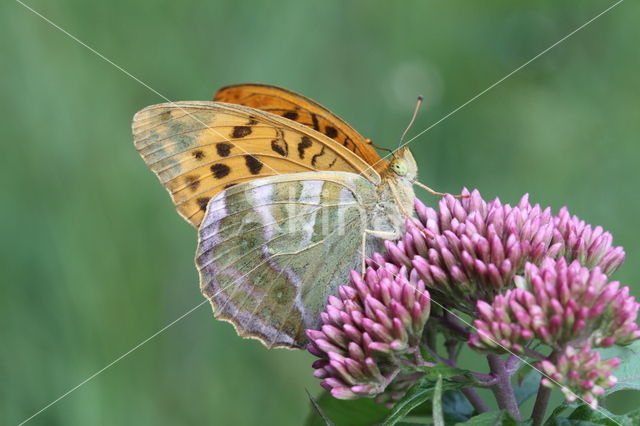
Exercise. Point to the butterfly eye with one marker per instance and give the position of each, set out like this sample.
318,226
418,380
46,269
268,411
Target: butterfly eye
399,168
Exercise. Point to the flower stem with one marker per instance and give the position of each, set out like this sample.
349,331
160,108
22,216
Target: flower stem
476,400
503,390
512,364
454,325
430,338
481,379
542,399
540,408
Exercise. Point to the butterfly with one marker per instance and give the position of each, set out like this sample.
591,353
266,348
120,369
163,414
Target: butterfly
286,196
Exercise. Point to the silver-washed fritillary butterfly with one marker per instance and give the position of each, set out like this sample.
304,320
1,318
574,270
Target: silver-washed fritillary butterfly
284,195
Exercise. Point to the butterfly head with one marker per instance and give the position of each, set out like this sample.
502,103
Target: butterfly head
403,166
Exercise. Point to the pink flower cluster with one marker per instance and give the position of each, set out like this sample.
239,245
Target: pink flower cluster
559,304
523,272
580,373
370,331
469,249
592,247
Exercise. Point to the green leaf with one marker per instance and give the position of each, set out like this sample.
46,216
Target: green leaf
527,387
492,418
443,370
319,410
438,418
563,421
416,395
559,409
584,415
628,373
358,412
601,416
456,407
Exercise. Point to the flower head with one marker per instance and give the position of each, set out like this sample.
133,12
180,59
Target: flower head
370,331
580,373
592,247
559,304
470,249
524,272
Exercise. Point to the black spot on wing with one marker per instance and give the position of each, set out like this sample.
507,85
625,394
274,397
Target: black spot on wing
252,121
291,115
280,147
253,164
349,144
331,131
315,157
193,182
305,142
314,119
220,170
240,132
202,203
223,149
198,154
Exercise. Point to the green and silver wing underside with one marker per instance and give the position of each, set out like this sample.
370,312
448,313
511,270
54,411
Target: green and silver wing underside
271,250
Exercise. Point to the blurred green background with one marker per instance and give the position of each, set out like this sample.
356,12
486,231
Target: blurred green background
94,257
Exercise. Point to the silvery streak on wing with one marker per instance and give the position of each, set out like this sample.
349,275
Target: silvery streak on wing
314,222
312,228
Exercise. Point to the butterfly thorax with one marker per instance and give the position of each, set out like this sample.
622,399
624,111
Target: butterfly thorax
396,193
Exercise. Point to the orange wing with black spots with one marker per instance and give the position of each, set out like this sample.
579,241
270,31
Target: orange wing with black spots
296,107
197,149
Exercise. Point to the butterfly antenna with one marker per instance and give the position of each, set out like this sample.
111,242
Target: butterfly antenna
370,142
413,118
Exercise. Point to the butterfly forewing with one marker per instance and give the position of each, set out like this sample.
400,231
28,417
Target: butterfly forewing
198,149
271,250
296,107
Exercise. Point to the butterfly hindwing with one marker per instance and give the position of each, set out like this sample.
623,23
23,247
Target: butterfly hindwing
271,250
296,107
198,149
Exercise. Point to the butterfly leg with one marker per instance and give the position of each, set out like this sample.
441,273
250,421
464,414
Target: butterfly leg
387,235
